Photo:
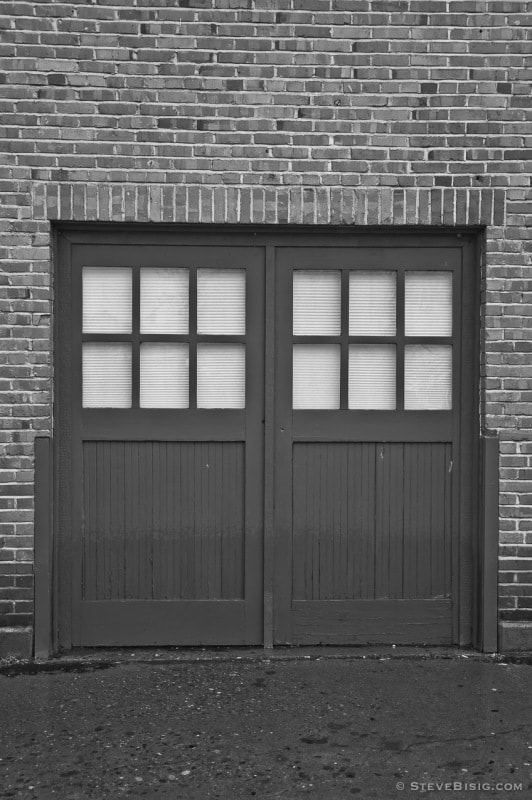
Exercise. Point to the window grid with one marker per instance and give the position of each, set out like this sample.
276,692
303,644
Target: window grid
136,338
399,340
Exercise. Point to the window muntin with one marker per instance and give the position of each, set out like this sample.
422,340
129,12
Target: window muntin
148,330
392,330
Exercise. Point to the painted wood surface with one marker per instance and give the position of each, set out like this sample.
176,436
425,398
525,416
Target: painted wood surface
163,520
371,520
372,622
142,623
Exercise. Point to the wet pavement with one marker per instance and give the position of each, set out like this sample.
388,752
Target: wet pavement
256,727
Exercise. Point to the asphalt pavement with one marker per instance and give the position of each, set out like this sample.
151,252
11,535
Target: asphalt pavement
232,725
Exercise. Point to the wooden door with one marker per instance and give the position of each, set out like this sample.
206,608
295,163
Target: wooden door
200,502
163,367
374,388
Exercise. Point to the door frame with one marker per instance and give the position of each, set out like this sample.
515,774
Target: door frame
466,558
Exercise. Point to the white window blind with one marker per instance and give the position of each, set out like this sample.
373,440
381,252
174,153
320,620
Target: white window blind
316,376
222,301
221,376
428,303
372,303
371,381
164,300
428,376
106,375
163,375
106,300
316,301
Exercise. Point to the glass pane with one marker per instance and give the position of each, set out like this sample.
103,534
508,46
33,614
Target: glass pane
316,376
106,300
222,301
428,376
372,303
221,376
428,303
164,300
372,376
163,375
106,375
317,303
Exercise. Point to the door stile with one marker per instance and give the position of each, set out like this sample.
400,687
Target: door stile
254,451
283,459
468,438
63,480
76,577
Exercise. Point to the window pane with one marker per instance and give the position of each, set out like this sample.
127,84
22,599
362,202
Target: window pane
428,376
317,303
316,376
428,303
106,300
222,301
372,376
163,375
106,375
372,303
221,376
164,300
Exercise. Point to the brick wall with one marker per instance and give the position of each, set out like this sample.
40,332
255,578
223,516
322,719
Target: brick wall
360,112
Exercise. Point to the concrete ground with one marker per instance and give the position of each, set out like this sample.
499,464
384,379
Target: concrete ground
325,724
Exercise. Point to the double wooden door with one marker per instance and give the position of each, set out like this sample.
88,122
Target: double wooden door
261,437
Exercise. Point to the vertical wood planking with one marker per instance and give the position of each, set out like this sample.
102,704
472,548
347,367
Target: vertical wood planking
163,520
396,524
371,520
361,518
382,519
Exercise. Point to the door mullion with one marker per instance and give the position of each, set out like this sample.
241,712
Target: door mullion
344,353
400,323
193,327
135,340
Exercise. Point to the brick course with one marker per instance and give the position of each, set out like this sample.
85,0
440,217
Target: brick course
266,111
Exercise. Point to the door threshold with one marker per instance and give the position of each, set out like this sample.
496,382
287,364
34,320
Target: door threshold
81,659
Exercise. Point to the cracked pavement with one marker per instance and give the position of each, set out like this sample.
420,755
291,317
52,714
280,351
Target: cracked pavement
318,728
